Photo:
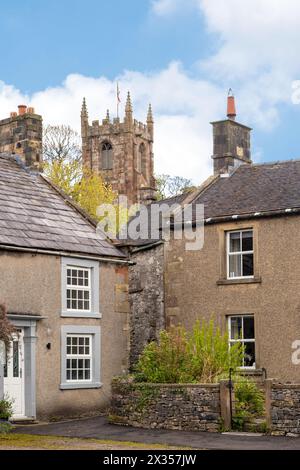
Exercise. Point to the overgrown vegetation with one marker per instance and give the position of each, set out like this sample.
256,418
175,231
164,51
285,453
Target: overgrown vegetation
6,408
199,356
6,412
249,402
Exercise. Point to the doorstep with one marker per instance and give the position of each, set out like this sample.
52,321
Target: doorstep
244,434
22,421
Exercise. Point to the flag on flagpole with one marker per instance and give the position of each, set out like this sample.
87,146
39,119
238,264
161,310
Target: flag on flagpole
118,99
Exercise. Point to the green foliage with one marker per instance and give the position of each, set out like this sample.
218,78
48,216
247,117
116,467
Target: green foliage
168,186
6,328
201,356
5,427
6,408
249,402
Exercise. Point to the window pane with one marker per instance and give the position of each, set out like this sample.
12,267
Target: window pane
248,265
235,266
15,358
235,242
236,327
249,328
247,241
249,358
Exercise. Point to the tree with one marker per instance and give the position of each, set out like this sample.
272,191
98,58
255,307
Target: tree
6,328
168,186
61,144
63,167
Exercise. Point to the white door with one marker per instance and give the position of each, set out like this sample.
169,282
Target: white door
14,374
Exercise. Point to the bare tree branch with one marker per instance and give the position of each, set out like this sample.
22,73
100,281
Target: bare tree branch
61,144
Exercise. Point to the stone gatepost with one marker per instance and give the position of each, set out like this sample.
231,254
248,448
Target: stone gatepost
225,403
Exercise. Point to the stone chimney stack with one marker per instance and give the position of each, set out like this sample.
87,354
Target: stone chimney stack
21,134
231,141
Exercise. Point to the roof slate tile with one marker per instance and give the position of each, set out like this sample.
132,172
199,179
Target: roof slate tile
35,215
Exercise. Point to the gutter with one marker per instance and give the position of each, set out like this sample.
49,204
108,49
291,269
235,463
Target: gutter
147,247
64,253
252,215
235,217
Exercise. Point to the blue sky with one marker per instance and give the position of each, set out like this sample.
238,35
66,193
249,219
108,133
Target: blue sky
181,54
48,40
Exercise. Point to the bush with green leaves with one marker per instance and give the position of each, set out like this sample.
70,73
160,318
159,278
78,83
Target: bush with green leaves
6,408
199,356
249,402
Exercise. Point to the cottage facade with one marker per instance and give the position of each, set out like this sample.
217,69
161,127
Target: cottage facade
246,274
65,289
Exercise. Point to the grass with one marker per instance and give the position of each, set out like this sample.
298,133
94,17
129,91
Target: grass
34,442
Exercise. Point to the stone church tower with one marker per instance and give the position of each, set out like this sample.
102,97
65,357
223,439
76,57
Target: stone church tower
122,152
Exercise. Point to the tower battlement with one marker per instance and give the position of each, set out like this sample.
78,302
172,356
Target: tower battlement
121,151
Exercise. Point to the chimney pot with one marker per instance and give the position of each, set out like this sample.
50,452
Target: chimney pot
22,109
13,114
231,110
30,110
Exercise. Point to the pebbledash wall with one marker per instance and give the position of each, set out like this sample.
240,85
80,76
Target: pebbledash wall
195,407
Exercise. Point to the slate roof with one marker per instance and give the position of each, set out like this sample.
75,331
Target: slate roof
35,215
253,188
142,242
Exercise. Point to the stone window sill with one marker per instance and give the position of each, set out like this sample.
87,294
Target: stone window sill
77,385
230,282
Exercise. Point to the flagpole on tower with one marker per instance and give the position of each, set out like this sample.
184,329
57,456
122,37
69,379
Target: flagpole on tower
118,99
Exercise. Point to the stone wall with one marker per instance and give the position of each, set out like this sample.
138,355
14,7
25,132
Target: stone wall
285,409
169,406
146,296
21,134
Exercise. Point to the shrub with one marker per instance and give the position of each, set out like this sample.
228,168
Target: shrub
6,408
202,355
249,402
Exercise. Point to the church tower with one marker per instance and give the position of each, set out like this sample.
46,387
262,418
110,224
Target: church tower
122,152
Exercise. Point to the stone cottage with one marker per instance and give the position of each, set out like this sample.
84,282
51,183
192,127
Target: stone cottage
246,275
64,286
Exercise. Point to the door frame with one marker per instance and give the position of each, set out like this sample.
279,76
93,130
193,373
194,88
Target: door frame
17,336
28,324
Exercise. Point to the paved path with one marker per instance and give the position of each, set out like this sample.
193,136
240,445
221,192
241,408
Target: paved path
99,428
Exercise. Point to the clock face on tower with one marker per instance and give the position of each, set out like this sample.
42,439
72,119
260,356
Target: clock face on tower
240,151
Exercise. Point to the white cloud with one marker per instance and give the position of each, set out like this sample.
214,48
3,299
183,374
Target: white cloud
182,108
257,54
167,7
257,51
